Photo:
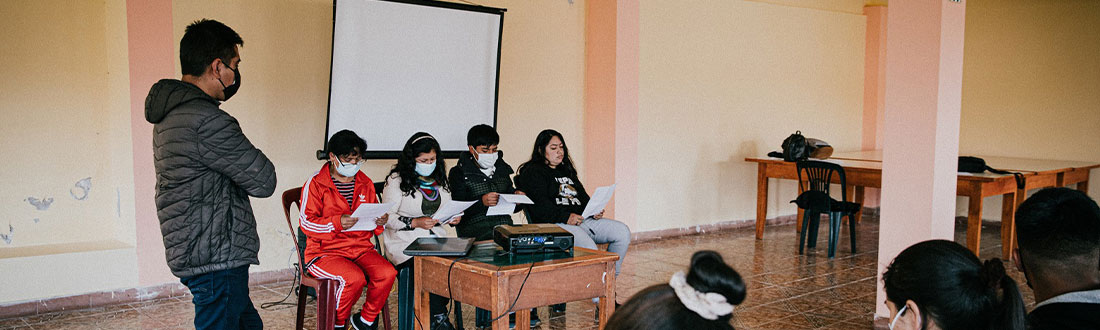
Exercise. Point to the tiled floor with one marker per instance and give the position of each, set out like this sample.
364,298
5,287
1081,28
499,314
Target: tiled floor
786,290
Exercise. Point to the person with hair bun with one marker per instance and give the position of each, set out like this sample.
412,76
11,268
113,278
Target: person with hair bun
702,299
938,284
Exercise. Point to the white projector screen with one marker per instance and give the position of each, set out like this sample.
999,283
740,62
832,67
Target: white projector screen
406,66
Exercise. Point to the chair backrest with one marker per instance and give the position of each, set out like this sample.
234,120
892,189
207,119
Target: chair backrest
291,197
378,186
819,175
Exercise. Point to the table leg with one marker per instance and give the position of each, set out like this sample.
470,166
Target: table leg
798,216
859,196
1083,186
423,298
523,319
974,223
607,301
761,199
1008,222
500,305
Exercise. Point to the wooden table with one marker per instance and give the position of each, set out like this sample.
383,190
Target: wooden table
491,281
1040,173
862,173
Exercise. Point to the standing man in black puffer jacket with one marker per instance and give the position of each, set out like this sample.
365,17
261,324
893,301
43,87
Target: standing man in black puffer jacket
206,171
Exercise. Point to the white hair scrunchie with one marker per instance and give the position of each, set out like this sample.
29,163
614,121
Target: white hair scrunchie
709,305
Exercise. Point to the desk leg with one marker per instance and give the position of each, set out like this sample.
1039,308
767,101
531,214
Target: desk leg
798,216
1008,222
761,199
422,298
523,319
607,301
858,197
500,305
974,223
1083,186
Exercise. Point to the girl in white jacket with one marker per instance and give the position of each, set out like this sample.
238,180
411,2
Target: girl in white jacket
417,186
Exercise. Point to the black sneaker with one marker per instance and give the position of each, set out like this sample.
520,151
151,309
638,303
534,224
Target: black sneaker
340,327
557,308
358,324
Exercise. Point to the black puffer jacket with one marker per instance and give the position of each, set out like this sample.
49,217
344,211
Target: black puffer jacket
468,183
206,169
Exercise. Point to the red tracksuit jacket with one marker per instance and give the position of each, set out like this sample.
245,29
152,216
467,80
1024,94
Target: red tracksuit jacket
322,206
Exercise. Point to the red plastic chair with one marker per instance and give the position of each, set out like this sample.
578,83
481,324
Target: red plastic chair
326,288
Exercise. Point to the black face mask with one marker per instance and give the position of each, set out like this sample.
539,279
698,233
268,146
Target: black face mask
231,89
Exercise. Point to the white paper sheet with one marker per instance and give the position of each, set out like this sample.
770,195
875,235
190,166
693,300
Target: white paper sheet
449,210
502,208
506,204
367,213
516,199
598,201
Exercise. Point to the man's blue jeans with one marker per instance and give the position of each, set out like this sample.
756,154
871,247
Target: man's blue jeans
221,300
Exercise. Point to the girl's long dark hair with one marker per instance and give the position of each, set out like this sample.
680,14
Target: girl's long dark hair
538,154
953,288
406,162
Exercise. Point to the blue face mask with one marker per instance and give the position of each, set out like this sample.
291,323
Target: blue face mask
348,170
425,169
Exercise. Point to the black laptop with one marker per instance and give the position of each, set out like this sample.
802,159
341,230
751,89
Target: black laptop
440,246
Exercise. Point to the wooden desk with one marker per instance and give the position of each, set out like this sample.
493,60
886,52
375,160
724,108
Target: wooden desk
862,174
1040,173
492,282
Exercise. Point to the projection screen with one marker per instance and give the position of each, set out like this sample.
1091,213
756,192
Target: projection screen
406,66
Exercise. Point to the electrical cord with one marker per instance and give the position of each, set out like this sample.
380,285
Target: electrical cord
293,286
518,294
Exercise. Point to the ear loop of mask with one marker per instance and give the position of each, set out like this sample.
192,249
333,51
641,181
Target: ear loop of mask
898,316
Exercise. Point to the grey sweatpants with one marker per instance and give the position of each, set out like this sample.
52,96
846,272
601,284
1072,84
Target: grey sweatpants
591,232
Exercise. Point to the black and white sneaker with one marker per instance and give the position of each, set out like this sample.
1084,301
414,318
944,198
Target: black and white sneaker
358,324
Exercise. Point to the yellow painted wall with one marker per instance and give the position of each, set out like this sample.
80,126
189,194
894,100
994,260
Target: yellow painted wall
65,117
724,80
1031,83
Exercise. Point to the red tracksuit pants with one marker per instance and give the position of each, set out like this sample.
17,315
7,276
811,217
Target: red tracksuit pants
370,269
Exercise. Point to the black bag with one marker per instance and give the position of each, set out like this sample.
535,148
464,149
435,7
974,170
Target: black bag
794,148
977,165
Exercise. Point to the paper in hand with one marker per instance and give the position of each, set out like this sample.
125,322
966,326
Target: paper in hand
450,209
599,201
516,199
502,208
367,213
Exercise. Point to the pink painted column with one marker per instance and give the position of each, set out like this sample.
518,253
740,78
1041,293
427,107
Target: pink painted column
599,95
149,26
924,54
874,87
626,111
611,102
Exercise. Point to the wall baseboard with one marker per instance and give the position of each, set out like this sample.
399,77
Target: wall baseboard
121,296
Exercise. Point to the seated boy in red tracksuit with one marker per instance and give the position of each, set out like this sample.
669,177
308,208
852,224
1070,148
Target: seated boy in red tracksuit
348,257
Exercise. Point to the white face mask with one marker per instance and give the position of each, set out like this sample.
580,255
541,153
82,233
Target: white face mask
898,316
486,161
425,169
348,170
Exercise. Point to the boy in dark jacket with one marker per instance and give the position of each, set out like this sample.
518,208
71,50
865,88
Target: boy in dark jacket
482,175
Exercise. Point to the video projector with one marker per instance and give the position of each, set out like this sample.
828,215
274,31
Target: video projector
532,238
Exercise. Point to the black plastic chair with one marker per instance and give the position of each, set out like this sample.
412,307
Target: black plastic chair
815,199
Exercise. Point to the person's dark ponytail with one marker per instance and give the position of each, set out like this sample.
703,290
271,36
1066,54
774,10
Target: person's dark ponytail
710,273
1010,301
